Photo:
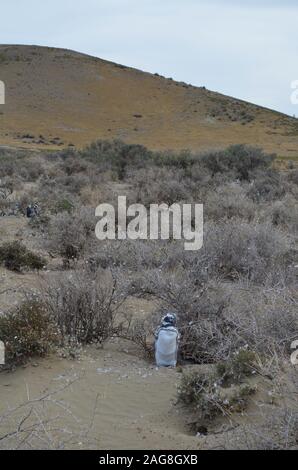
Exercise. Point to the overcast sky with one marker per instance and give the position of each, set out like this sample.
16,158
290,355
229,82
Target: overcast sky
244,48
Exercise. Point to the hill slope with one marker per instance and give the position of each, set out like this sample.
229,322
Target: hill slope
57,97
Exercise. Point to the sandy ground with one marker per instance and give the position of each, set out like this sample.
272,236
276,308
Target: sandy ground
125,402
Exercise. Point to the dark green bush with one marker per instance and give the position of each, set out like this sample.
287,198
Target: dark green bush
238,367
116,155
27,332
241,160
16,256
202,393
63,205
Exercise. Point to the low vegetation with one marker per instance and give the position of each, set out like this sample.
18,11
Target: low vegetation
15,257
207,393
235,299
27,332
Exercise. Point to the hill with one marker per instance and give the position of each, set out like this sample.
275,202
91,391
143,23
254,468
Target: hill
56,98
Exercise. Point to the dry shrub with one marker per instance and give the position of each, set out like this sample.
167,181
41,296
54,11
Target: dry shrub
183,159
92,197
16,257
17,162
84,306
215,319
159,185
6,188
239,160
70,235
202,392
240,365
235,249
228,202
139,255
140,331
284,214
267,186
5,207
277,431
27,332
116,156
266,320
54,198
72,184
72,165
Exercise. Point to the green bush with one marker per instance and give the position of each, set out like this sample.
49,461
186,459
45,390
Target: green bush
240,366
16,256
241,160
63,205
116,155
201,391
27,332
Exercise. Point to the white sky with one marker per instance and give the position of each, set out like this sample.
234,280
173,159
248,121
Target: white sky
243,48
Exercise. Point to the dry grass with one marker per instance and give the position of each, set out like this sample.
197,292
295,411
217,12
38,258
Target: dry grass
174,115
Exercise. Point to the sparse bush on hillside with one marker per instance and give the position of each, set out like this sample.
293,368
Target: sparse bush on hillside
72,184
20,164
267,186
27,332
55,198
292,176
198,391
116,155
139,331
70,234
265,320
242,160
63,205
6,207
39,225
183,160
136,256
16,257
228,202
6,188
71,164
202,393
284,214
160,185
237,250
240,365
85,306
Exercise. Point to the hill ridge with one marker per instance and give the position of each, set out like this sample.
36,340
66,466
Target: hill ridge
59,97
